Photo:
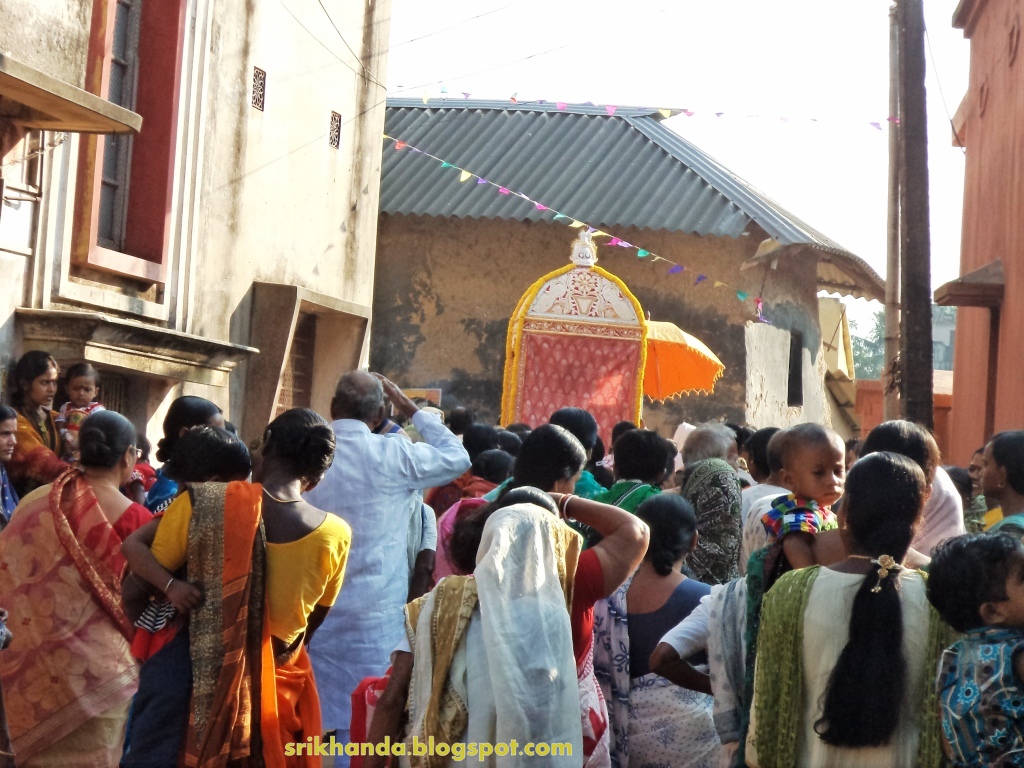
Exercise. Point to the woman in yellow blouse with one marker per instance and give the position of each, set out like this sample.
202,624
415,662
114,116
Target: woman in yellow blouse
263,569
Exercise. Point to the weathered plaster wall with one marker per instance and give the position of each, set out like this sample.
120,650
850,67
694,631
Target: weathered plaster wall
282,205
257,195
50,35
445,290
767,387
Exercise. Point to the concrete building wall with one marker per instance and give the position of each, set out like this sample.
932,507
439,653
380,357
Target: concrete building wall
446,288
255,195
992,129
49,35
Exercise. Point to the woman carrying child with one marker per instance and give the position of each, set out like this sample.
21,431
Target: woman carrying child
865,697
36,459
185,412
263,569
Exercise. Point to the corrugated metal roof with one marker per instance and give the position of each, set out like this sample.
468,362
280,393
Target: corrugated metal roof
625,170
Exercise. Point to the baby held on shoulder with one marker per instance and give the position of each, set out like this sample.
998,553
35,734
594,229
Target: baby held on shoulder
814,470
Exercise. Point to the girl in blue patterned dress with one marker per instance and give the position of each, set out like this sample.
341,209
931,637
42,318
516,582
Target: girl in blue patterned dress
976,583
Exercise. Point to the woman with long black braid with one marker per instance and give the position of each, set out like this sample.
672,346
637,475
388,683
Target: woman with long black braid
863,698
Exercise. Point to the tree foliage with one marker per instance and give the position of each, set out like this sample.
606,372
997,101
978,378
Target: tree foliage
869,348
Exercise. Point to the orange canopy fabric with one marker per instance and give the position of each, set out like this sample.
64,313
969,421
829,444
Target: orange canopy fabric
678,363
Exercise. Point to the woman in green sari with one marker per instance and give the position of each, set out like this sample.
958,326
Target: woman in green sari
863,698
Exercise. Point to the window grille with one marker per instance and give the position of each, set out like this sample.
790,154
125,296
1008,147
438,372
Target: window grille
259,87
334,137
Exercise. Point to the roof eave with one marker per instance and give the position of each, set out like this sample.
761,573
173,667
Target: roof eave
34,100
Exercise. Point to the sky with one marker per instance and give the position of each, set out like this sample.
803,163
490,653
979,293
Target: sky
798,84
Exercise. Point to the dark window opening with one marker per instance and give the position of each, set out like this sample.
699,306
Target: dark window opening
796,369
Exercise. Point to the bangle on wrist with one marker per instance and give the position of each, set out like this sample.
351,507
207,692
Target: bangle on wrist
171,581
563,506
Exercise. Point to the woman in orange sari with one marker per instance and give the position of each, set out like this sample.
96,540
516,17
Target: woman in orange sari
36,460
263,570
68,676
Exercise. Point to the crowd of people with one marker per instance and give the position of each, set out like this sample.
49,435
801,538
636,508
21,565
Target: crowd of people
767,597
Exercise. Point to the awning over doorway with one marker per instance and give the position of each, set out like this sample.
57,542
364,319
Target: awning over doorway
33,100
984,287
134,347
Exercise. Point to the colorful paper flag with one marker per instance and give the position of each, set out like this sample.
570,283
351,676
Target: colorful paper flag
643,253
503,190
599,233
400,145
540,207
675,269
614,241
577,224
481,180
465,176
719,283
561,105
559,216
446,165
426,98
700,279
742,295
610,110
665,112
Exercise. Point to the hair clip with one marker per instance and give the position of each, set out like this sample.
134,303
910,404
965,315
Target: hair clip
885,564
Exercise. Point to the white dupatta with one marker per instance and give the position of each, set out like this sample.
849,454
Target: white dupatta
514,669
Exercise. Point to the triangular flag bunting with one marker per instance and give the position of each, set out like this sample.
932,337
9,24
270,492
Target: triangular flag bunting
700,279
643,253
719,283
561,105
665,112
481,181
577,224
446,165
541,207
426,98
599,233
400,145
465,175
610,110
503,190
560,216
624,244
614,241
675,269
742,295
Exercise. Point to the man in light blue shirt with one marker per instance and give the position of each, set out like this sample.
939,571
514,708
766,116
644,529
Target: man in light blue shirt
376,485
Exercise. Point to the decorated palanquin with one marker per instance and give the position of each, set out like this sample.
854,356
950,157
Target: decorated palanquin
576,338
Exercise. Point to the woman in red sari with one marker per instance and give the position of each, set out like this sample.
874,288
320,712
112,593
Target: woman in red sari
68,677
36,460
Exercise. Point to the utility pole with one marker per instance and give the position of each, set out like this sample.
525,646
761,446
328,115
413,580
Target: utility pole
891,395
915,250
